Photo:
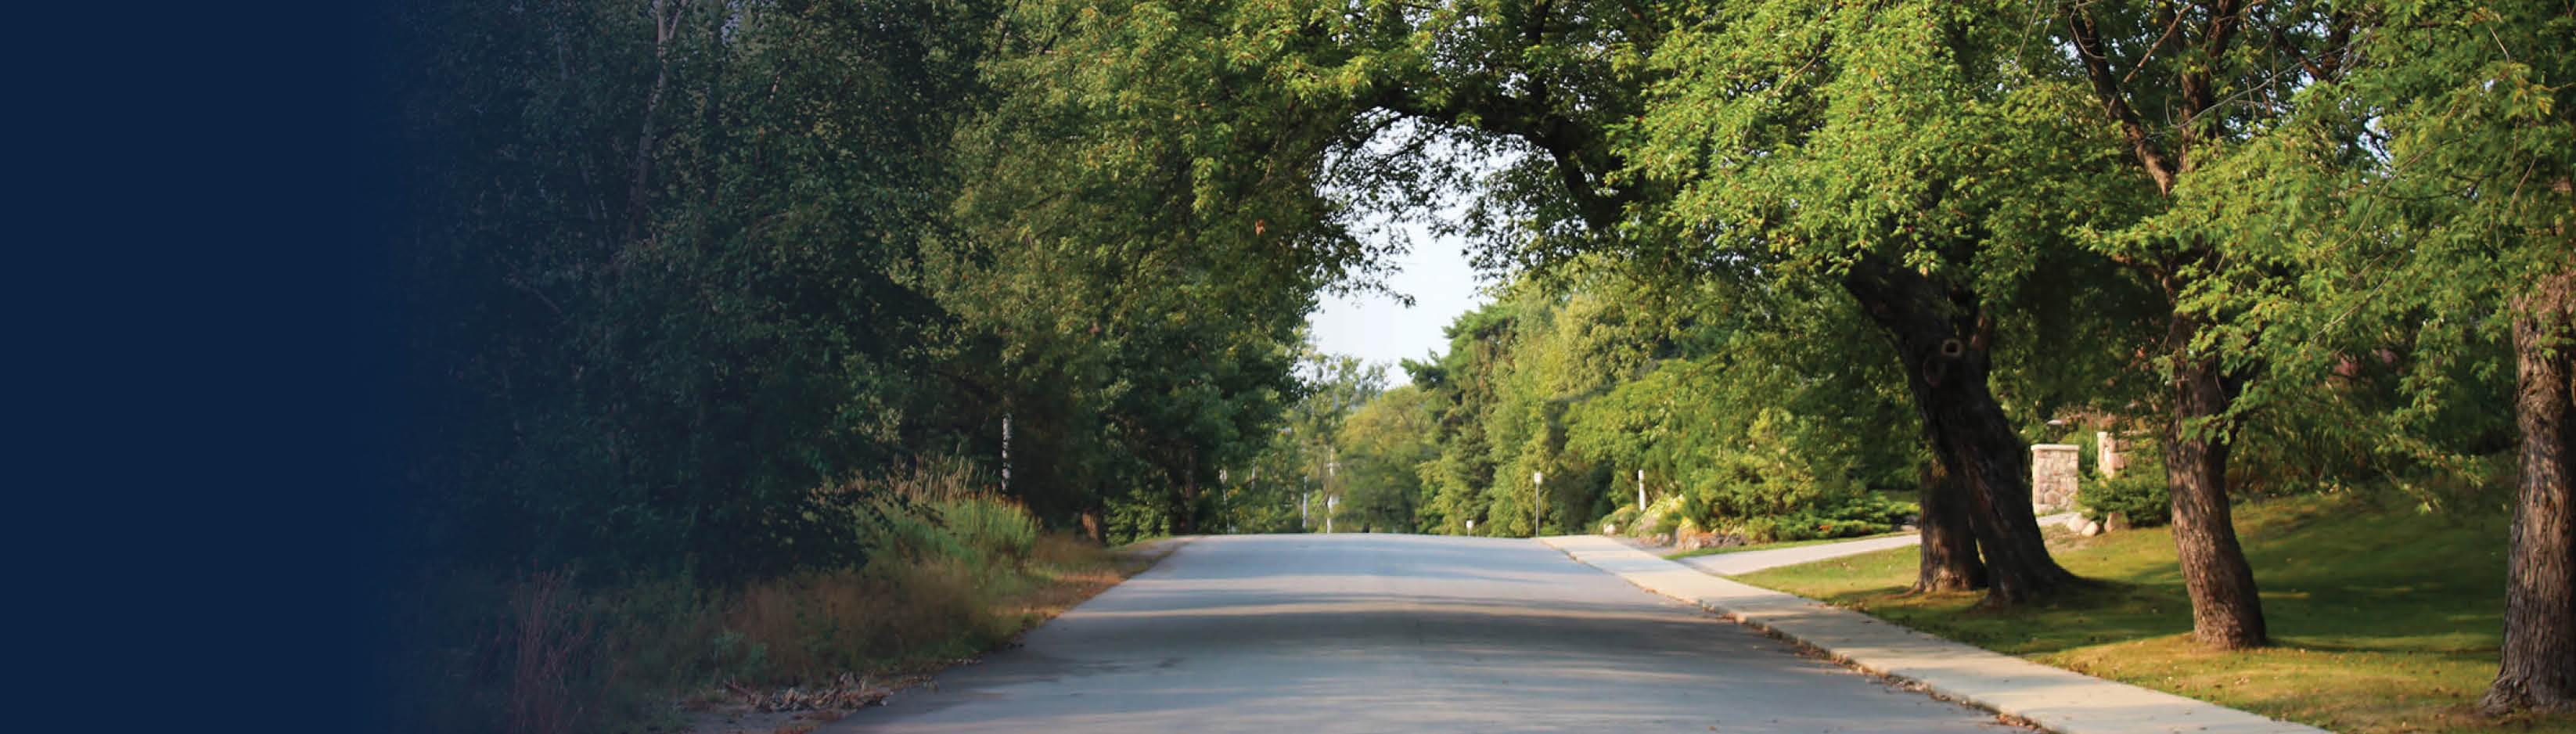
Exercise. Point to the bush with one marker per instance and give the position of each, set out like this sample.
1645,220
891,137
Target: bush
1862,514
1873,508
933,511
1845,515
1623,519
2138,493
1664,516
996,529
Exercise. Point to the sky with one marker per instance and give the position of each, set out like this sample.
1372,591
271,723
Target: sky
1379,330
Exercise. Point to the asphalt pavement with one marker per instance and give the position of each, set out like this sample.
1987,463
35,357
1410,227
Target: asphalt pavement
1384,633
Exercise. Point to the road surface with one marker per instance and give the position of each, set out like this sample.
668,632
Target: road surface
1386,633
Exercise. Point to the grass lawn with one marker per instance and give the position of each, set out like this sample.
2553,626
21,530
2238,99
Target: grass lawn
1769,546
2384,619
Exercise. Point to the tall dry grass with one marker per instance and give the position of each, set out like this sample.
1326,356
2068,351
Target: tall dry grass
952,571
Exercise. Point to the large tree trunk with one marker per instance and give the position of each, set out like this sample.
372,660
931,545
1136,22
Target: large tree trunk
1949,550
1943,343
2538,670
2225,612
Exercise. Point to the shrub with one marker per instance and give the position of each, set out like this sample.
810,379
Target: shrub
2138,492
1863,513
998,529
1623,519
1662,516
1872,508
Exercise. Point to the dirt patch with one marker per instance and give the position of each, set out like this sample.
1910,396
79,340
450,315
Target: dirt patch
741,710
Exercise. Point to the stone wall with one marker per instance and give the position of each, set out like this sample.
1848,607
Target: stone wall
2052,477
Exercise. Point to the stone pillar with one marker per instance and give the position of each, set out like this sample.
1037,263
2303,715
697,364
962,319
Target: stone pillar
2113,453
2052,476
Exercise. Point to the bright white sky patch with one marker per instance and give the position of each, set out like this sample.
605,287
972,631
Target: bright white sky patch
1379,330
1435,272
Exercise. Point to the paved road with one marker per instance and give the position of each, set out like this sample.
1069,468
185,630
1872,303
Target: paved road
1381,633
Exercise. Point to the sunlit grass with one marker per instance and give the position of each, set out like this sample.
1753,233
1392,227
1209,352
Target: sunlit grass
2385,619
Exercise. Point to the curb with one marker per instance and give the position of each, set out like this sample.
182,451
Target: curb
2057,700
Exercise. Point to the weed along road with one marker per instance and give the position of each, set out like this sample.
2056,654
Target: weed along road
1384,633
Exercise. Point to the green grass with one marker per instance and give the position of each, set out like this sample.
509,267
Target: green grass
1771,546
2385,619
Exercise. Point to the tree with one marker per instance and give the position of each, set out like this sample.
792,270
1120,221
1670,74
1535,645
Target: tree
1901,152
2184,83
2425,190
1382,446
1462,389
1560,83
1144,233
653,256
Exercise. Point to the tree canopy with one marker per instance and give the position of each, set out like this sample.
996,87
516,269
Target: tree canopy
690,279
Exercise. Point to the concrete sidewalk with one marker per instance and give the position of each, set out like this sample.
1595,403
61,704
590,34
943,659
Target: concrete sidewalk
1732,564
2058,700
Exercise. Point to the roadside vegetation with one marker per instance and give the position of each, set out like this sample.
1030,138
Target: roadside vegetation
2387,617
771,341
958,573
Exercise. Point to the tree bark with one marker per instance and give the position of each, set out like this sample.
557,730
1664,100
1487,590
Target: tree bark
2538,669
2226,613
1944,341
1949,547
1092,526
1185,519
666,24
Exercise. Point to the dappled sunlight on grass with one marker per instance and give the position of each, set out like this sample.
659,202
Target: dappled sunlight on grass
2385,619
